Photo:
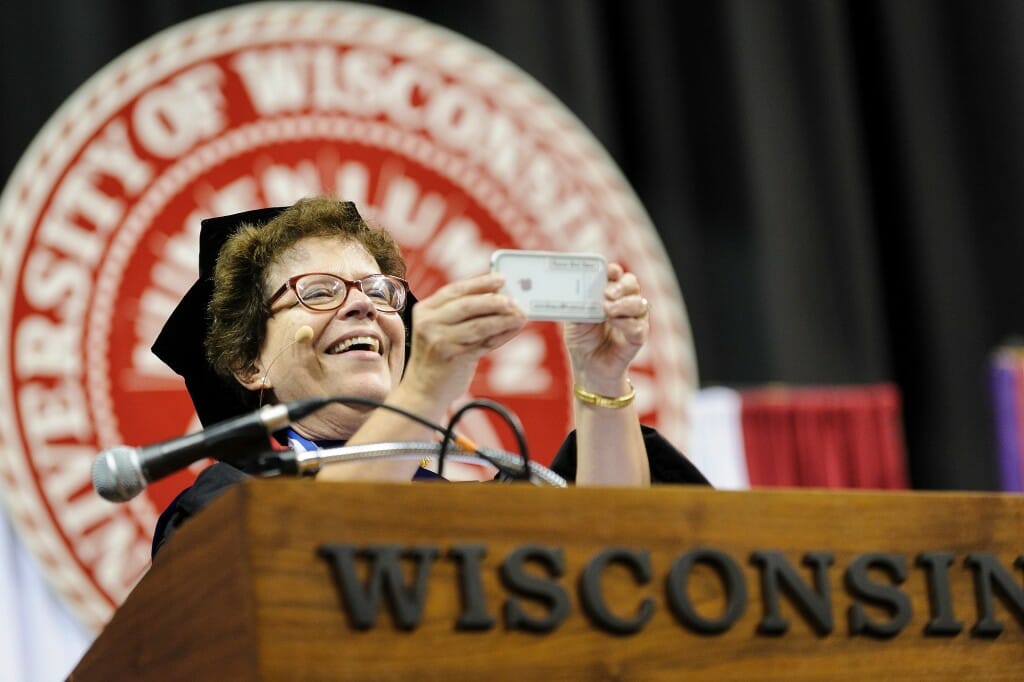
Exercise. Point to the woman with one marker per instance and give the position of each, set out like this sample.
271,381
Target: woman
269,277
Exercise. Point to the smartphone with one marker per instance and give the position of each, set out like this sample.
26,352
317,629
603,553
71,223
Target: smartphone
549,285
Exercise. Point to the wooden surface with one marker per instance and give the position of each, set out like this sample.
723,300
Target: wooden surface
240,592
191,614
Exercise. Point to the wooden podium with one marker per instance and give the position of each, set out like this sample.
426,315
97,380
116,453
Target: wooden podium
298,580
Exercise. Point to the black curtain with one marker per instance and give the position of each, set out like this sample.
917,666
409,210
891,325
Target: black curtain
838,184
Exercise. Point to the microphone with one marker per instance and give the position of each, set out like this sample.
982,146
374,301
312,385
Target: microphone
122,472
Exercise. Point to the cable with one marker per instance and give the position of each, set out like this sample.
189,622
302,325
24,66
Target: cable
371,402
449,434
302,334
511,419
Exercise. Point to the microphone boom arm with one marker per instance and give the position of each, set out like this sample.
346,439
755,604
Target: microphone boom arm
296,462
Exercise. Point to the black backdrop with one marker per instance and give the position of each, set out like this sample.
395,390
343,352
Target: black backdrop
839,184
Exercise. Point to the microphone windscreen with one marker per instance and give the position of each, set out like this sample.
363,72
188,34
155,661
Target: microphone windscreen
303,333
116,476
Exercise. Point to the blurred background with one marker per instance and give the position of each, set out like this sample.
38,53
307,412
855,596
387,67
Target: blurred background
838,184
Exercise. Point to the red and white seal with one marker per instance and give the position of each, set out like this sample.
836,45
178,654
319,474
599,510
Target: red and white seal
448,145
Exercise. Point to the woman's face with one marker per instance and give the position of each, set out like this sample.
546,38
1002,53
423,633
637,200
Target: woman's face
329,364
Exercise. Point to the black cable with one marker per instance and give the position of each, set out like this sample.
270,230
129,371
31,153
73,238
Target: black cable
447,433
313,404
510,418
370,402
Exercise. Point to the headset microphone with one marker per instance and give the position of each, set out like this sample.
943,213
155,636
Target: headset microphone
303,334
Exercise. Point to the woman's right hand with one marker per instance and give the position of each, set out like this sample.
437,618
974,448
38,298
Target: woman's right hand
452,329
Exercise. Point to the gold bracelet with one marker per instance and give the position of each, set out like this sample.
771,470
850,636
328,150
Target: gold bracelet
603,400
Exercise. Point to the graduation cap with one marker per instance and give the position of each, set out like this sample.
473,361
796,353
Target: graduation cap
181,343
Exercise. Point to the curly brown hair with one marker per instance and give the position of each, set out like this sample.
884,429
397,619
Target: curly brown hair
238,310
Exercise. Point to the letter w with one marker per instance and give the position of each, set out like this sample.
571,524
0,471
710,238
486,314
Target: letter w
277,80
361,600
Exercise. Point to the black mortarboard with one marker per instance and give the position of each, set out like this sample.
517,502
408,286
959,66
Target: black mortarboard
181,343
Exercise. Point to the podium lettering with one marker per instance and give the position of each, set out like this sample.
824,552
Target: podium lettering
592,598
474,615
936,565
991,577
814,604
732,580
362,600
536,598
889,597
544,590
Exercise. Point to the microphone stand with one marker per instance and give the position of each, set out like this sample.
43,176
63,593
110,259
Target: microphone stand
302,463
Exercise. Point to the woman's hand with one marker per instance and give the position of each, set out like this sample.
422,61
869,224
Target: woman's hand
601,352
609,443
453,328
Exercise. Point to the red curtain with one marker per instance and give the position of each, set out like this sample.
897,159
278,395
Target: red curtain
832,437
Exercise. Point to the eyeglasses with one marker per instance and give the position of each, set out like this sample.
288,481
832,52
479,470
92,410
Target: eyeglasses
322,291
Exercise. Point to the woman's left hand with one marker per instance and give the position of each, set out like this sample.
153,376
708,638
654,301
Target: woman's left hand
601,352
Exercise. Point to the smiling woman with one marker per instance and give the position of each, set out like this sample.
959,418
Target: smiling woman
310,301
358,341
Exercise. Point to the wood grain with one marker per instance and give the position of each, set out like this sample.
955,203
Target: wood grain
240,592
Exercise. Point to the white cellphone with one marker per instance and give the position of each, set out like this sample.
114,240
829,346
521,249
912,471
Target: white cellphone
549,285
